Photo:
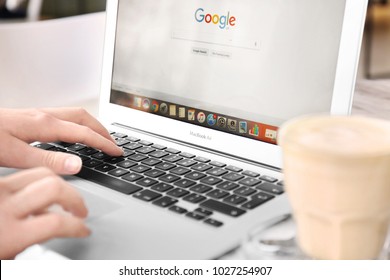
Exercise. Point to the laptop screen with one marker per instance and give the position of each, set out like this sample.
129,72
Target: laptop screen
241,67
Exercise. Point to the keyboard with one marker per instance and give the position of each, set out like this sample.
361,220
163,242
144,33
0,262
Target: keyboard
163,176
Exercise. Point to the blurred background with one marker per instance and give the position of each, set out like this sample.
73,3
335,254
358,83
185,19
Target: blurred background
375,58
374,66
49,9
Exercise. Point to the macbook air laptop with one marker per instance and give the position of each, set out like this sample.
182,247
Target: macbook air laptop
194,91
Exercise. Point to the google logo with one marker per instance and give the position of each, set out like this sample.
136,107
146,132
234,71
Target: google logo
223,21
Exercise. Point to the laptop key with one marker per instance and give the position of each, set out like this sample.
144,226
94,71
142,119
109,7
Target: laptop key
169,178
162,187
218,194
165,201
57,149
137,157
119,135
257,200
187,155
151,161
217,163
145,150
268,178
262,196
186,162
272,188
127,152
201,167
235,199
108,181
159,147
154,173
250,173
180,171
118,172
105,167
204,212
121,142
127,164
200,188
217,171
202,159
88,151
178,192
184,183
172,158
145,143
140,168
252,204
222,208
195,216
165,166
227,186
244,191
195,175
100,156
213,222
114,160
178,209
132,177
92,163
132,146
172,151
158,154
147,195
146,182
210,180
44,146
77,147
194,198
132,139
64,144
234,168
250,182
232,176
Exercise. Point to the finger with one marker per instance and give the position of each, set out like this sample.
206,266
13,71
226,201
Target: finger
22,155
79,116
47,226
21,179
70,132
45,192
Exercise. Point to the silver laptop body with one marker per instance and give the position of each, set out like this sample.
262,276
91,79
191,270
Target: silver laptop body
229,73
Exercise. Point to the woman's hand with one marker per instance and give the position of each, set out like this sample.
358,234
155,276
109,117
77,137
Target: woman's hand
25,218
20,127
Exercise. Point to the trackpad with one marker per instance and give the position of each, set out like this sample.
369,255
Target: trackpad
97,206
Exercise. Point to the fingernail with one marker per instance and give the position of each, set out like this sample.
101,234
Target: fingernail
72,165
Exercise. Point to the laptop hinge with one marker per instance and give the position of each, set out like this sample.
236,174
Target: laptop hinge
201,148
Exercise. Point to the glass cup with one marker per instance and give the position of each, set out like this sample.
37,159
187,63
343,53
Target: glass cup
279,242
337,178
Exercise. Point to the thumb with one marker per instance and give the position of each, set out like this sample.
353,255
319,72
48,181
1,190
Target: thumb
22,155
60,163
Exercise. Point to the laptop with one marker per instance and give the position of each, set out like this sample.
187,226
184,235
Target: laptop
194,91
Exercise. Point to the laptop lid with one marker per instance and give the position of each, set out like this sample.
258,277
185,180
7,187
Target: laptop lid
224,75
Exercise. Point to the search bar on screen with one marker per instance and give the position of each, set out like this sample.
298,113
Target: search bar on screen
216,39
